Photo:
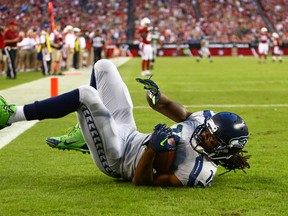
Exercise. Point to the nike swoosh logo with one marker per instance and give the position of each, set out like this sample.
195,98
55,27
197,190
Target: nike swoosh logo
69,143
163,141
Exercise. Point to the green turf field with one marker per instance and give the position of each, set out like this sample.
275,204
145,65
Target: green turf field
21,78
38,180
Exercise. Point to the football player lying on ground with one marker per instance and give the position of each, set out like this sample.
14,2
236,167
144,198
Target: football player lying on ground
201,141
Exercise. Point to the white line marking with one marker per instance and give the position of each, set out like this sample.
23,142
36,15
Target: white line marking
225,106
10,133
238,83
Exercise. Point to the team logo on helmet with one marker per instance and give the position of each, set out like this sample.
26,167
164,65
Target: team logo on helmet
238,142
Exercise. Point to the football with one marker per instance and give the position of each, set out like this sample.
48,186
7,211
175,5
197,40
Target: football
163,162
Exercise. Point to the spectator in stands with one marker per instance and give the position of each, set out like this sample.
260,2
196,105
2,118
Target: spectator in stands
88,52
56,41
36,63
76,55
11,38
2,45
69,42
26,49
82,52
44,50
277,12
98,42
223,21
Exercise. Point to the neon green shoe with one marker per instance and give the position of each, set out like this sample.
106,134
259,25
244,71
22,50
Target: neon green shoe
6,110
71,141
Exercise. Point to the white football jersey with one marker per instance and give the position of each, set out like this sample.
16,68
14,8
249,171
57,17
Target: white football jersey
192,168
107,124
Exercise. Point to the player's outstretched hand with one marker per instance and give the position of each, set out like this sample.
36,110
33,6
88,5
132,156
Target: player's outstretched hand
159,139
151,87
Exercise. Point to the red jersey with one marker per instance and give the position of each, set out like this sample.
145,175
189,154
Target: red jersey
143,31
276,41
2,45
11,35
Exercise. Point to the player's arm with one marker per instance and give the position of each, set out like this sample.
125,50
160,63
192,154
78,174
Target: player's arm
144,172
161,140
161,103
169,108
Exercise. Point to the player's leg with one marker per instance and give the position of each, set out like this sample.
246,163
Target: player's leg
144,57
115,96
98,126
274,54
154,51
208,54
147,52
150,58
260,52
55,107
45,66
113,92
11,64
278,53
265,52
200,55
100,132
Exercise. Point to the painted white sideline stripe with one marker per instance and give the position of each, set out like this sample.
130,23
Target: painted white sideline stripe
13,132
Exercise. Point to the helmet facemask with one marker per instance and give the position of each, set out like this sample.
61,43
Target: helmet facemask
228,130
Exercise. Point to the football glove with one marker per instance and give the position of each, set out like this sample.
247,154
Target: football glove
159,139
151,87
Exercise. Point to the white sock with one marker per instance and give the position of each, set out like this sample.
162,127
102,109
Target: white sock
18,115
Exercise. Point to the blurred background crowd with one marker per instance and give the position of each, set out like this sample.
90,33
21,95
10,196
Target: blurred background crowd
178,21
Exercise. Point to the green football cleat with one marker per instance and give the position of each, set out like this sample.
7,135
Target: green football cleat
71,141
6,110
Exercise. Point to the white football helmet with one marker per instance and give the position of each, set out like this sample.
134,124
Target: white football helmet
275,35
145,22
263,30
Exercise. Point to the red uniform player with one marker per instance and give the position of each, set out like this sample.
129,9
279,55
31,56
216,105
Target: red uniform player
276,43
145,46
263,46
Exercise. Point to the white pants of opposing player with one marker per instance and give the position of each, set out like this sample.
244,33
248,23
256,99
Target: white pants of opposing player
263,48
154,51
277,51
106,118
204,51
146,51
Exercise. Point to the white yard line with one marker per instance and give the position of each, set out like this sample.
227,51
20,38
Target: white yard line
40,89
